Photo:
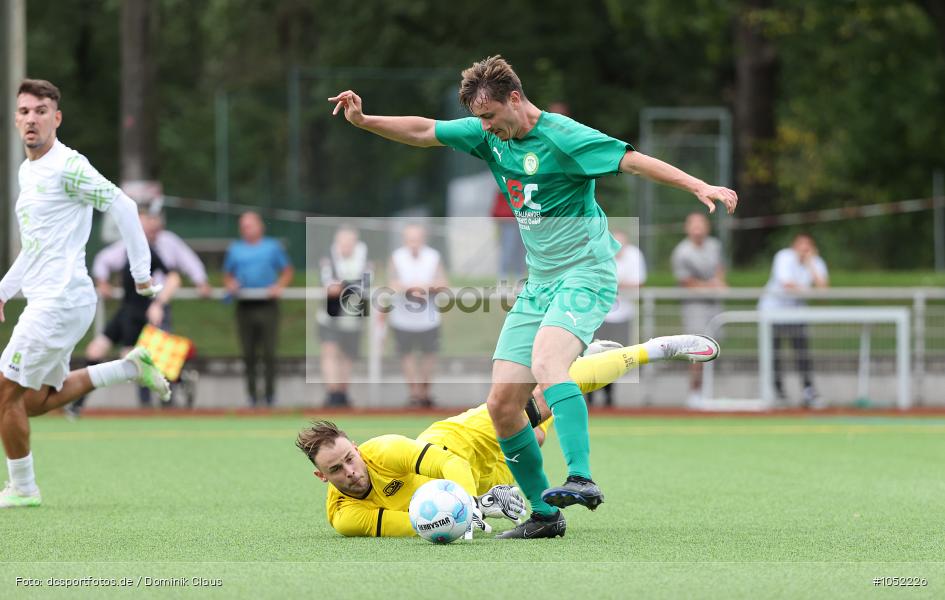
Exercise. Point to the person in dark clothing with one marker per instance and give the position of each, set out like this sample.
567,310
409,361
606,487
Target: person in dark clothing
256,270
170,256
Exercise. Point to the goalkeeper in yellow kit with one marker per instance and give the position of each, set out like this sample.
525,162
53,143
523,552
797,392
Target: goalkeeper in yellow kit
370,485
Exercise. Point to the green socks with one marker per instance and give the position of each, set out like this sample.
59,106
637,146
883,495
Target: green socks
523,456
570,411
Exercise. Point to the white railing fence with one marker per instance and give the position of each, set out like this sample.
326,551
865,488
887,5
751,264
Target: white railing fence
852,336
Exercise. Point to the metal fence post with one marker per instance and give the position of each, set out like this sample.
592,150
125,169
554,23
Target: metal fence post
918,319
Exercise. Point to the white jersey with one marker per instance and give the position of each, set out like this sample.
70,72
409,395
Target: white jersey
57,194
787,268
631,270
415,313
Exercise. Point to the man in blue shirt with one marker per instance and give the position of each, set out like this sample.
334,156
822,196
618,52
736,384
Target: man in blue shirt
255,271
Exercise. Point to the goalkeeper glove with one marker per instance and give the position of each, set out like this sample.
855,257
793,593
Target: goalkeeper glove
478,522
502,501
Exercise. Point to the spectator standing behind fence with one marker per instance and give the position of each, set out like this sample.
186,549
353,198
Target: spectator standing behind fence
631,274
697,265
794,269
416,274
255,271
170,256
340,325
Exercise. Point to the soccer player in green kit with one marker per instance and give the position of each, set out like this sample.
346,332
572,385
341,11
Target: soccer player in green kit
546,164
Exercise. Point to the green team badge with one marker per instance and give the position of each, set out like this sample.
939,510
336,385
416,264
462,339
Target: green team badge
16,358
530,163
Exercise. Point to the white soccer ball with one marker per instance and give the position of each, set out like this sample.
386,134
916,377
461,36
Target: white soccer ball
441,511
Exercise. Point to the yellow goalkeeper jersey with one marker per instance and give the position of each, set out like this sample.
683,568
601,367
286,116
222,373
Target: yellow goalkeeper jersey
471,436
463,449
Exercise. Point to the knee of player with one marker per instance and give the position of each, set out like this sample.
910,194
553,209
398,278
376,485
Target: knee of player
501,405
35,410
548,370
10,391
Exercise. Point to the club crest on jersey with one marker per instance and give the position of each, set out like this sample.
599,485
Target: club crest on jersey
530,163
393,487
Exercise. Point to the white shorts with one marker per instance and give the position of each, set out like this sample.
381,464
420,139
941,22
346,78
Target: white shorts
41,345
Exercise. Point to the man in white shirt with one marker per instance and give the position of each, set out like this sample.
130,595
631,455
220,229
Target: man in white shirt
58,190
797,268
631,274
416,274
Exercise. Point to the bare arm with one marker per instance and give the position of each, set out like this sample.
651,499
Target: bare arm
821,279
717,281
230,283
440,282
413,131
285,278
637,163
720,277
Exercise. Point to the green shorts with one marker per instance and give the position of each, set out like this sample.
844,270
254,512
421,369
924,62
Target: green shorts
577,301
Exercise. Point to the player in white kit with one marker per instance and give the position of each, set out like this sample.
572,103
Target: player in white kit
58,190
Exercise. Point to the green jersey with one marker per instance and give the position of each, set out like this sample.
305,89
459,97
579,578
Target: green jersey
548,180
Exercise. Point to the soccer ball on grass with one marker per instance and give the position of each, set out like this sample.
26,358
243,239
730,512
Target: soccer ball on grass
441,511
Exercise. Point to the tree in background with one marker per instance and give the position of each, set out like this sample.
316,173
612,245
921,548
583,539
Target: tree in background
838,103
138,99
756,97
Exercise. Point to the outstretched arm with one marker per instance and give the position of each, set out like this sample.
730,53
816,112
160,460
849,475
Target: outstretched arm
637,163
413,131
356,519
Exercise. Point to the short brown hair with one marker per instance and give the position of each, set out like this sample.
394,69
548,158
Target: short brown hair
318,434
492,77
41,89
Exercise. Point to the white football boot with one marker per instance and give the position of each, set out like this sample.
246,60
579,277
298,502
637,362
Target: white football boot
10,497
148,374
688,348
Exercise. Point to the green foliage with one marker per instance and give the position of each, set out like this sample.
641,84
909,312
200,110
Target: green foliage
858,108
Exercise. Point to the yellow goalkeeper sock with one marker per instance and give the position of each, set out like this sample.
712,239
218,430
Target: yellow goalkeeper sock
595,371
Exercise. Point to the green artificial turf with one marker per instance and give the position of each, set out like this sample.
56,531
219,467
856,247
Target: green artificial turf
696,507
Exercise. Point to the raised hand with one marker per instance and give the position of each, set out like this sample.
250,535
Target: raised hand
351,103
708,194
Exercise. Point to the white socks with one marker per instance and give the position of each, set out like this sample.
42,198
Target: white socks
654,349
21,474
116,371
